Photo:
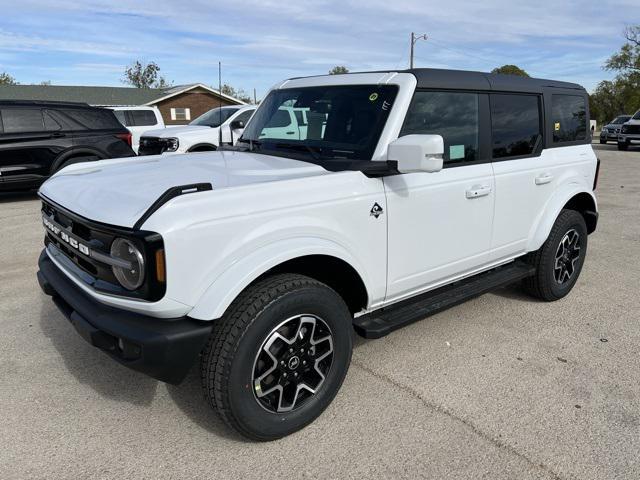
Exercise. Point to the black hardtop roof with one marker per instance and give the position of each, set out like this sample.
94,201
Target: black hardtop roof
43,103
468,80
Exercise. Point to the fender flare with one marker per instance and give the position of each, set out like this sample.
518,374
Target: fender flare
75,152
544,223
231,282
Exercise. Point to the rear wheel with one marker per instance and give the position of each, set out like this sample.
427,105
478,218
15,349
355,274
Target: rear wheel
559,261
278,357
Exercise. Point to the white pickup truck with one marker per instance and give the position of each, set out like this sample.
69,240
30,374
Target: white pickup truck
406,193
218,126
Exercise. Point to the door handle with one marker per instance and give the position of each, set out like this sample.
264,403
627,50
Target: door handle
478,191
544,178
290,133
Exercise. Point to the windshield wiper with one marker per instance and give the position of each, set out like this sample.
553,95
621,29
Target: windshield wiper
316,153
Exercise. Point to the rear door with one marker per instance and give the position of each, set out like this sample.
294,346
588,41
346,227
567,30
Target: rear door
439,224
527,173
30,142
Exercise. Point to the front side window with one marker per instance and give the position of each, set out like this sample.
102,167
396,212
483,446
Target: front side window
342,122
569,118
22,120
515,125
214,117
244,117
453,115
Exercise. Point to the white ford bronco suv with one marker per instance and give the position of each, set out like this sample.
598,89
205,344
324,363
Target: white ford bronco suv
406,193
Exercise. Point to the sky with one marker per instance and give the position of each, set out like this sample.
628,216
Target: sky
260,42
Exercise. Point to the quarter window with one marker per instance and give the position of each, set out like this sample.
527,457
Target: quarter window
515,125
569,120
453,115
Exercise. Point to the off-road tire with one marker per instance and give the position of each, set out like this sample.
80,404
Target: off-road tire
543,283
227,362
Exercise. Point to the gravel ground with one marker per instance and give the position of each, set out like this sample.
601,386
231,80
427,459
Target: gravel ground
501,387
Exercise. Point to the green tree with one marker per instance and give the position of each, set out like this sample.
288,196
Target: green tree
338,69
622,94
238,93
510,70
142,75
6,79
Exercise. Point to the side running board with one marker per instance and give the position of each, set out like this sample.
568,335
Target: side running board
384,321
168,195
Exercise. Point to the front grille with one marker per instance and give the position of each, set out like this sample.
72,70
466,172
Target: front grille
151,146
630,129
79,239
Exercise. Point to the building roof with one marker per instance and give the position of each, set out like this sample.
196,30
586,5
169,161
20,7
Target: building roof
102,96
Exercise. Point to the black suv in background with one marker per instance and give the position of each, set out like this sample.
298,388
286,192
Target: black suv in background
39,138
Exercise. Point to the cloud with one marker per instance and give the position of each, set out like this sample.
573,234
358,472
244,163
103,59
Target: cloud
260,41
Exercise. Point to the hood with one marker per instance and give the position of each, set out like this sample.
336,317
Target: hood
179,131
118,192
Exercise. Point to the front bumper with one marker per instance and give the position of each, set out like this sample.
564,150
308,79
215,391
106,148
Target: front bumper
632,138
164,349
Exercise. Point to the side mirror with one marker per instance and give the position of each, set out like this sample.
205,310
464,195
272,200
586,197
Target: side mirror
417,153
236,124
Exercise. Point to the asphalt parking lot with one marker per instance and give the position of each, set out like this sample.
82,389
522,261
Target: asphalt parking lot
501,387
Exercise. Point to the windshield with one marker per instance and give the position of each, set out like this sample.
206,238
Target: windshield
215,117
622,119
637,115
322,123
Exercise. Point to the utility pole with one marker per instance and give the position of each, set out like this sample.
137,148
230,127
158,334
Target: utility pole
414,39
255,102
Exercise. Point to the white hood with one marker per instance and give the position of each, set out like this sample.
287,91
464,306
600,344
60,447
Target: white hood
180,131
118,192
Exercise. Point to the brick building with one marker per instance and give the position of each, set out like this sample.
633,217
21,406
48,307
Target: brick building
178,105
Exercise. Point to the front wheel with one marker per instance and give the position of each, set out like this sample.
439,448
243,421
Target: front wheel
602,142
559,261
278,357
623,146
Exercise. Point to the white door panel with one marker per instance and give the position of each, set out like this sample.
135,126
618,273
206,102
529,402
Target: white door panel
439,225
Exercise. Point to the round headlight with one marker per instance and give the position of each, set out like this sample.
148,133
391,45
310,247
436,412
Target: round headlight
129,278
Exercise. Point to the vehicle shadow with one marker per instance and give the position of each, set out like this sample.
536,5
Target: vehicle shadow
515,292
189,398
6,197
92,367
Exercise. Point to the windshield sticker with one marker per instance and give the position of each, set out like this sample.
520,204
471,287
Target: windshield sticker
456,152
557,126
373,97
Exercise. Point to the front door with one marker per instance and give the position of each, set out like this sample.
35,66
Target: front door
440,224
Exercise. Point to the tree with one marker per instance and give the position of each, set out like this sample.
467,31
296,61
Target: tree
45,83
338,69
144,76
627,60
239,93
6,79
622,94
510,70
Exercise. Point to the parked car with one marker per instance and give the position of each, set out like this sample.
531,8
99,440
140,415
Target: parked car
138,120
630,132
611,130
410,192
223,124
38,139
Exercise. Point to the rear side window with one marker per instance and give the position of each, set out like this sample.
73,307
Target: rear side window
569,118
22,120
93,118
453,115
515,124
142,118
